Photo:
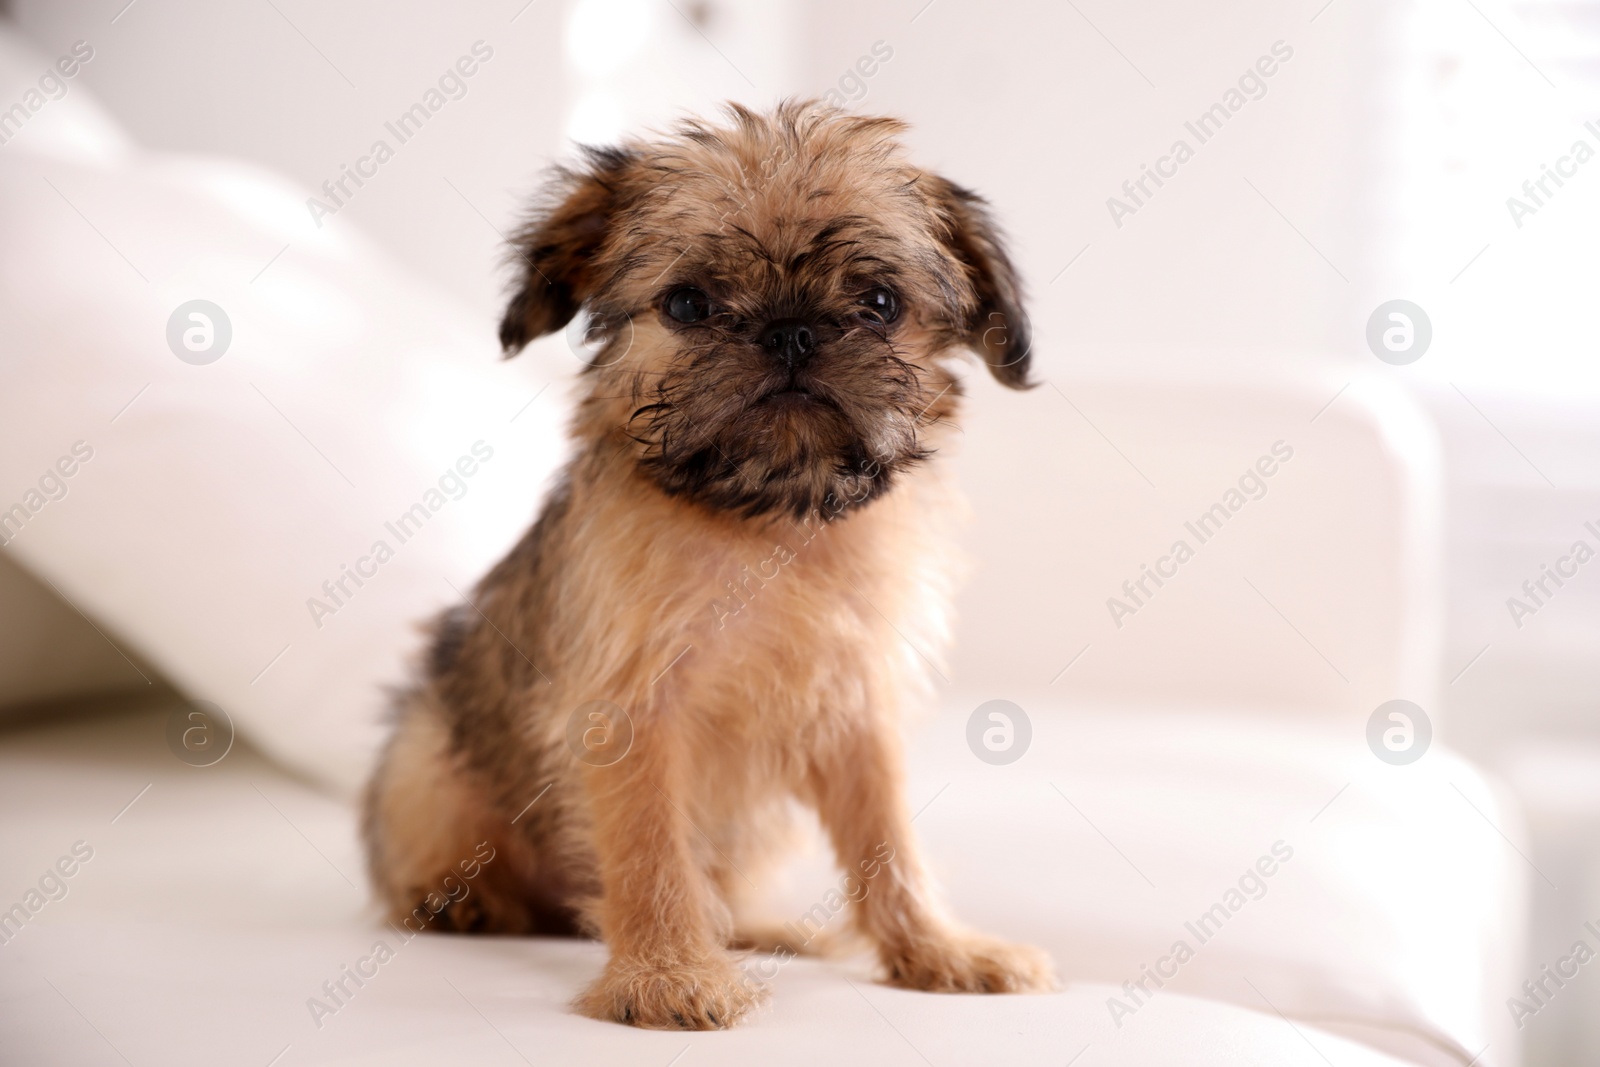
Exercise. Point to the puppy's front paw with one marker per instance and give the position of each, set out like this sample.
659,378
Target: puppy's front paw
712,995
970,963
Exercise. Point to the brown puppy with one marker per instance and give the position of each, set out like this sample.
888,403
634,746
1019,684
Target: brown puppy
723,605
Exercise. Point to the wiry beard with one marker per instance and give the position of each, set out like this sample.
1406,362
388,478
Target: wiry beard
735,433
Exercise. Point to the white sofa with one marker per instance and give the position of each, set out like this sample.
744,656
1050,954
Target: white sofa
217,904
219,900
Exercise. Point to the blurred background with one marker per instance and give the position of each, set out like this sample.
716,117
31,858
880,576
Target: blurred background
1182,328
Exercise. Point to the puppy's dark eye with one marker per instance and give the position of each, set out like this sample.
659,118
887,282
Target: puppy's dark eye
879,305
688,304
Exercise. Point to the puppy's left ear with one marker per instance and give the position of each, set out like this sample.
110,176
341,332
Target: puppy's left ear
999,329
554,252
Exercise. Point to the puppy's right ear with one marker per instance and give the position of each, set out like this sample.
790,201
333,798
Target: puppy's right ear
555,249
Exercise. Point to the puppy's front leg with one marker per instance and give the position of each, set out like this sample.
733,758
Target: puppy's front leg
659,914
857,782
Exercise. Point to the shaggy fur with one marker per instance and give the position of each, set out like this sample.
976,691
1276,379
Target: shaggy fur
747,557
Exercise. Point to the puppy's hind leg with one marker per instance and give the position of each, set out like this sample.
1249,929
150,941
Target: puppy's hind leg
441,856
770,835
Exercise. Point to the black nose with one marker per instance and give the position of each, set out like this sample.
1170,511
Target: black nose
791,340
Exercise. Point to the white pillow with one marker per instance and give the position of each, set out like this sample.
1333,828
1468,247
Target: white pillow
207,505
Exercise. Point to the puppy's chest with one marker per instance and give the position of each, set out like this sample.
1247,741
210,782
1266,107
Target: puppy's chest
799,618
775,586
788,615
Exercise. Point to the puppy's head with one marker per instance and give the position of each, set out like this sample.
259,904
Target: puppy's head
775,300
